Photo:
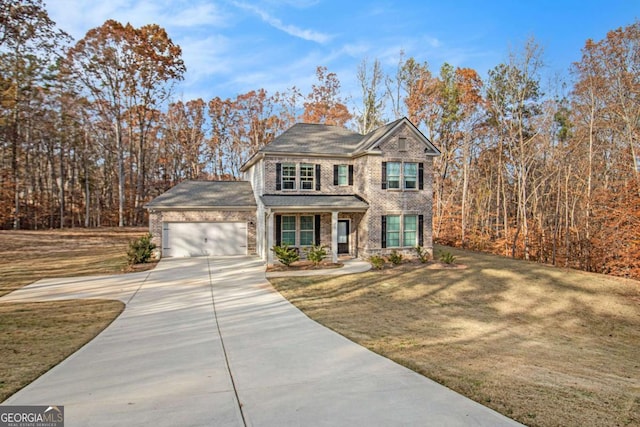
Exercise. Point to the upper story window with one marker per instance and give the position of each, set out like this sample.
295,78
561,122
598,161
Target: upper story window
410,175
402,176
342,175
288,176
306,176
393,175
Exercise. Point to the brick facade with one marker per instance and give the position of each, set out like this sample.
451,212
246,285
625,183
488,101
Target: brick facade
393,202
367,183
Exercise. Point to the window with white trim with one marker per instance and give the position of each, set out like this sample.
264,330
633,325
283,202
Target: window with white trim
289,176
410,176
307,174
401,231
393,231
410,230
393,175
343,175
288,235
307,232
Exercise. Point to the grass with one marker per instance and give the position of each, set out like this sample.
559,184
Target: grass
542,345
27,256
36,336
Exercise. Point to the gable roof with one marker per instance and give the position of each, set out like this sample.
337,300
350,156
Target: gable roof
206,195
307,138
319,139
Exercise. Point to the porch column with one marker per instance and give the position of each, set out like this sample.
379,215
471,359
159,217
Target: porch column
334,236
269,237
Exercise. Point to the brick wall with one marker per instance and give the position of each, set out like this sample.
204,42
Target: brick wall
389,202
366,228
326,175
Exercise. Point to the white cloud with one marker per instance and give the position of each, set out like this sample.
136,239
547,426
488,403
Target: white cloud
292,30
78,16
195,15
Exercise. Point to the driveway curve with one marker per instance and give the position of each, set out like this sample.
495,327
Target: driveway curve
208,342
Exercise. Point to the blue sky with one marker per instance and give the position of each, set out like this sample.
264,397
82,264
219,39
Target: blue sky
233,46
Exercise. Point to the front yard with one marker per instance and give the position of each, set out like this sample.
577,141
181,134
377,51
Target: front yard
34,337
542,345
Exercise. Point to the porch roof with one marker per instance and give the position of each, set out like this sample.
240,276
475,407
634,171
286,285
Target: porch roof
315,203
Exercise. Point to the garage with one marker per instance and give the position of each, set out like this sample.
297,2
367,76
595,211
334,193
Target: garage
204,218
184,239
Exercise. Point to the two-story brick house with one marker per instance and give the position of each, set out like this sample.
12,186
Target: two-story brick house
356,194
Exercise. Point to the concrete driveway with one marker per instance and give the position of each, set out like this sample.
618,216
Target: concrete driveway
209,342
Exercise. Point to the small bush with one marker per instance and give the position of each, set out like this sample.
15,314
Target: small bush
395,257
286,254
140,250
377,262
316,254
422,254
447,257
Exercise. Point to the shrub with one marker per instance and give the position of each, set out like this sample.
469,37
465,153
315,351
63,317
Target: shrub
377,262
395,257
286,254
140,250
447,257
316,254
422,254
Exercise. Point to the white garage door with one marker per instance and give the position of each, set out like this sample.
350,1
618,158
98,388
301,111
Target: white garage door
184,239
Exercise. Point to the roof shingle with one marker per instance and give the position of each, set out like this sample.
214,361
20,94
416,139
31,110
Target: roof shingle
206,194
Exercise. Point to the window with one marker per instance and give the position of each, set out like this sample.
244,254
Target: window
393,231
288,176
343,175
393,175
410,174
306,177
307,233
402,231
288,230
402,144
410,228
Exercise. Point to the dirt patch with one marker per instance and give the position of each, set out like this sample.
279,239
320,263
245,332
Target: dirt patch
542,345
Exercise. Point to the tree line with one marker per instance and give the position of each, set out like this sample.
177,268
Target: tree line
531,167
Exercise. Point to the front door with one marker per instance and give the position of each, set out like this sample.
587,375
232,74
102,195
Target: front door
343,236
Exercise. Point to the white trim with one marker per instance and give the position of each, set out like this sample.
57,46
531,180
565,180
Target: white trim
334,236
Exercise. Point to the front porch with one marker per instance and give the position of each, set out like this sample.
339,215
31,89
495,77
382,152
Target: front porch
304,221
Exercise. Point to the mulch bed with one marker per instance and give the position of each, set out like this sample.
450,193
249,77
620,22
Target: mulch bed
406,265
303,265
